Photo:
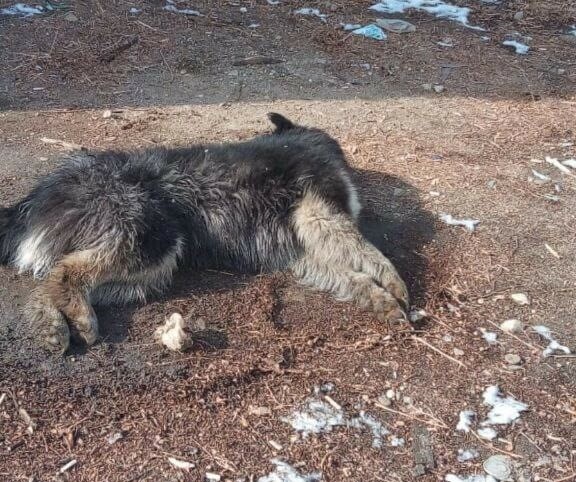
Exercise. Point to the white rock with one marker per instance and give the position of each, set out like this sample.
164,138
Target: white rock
520,299
512,326
172,334
107,114
498,466
180,464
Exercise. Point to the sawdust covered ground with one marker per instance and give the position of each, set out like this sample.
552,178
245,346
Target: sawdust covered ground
466,151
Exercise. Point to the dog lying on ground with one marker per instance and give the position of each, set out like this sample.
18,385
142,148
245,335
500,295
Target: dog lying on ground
112,227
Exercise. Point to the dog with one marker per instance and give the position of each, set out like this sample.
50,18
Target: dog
113,227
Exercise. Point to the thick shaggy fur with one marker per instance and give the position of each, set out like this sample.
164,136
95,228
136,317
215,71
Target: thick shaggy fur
111,227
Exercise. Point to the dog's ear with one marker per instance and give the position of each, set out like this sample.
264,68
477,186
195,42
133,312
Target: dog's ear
281,123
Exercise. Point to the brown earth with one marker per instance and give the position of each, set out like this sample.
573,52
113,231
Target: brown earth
467,151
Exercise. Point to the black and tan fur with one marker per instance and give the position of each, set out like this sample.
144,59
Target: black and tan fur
113,227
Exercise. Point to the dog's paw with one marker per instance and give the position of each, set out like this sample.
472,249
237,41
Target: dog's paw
386,307
50,326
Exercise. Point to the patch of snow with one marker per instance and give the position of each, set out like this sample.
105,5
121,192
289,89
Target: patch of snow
171,7
313,12
437,8
504,410
519,47
417,315
397,442
465,419
469,224
469,478
135,11
466,455
490,337
553,346
316,417
350,26
284,472
570,163
273,2
378,430
540,176
22,10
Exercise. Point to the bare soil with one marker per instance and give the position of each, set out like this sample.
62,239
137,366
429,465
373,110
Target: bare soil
468,151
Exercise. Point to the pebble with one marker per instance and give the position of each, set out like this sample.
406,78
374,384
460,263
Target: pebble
518,16
498,466
512,326
390,394
520,299
439,88
70,17
458,352
113,438
107,114
512,359
384,401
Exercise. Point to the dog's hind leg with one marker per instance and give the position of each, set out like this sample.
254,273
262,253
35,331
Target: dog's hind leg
60,306
338,259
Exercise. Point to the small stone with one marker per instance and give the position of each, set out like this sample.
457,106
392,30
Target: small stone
390,394
427,86
561,71
211,477
512,326
70,17
418,470
384,401
512,359
107,114
498,466
243,9
439,88
519,16
114,437
447,338
259,411
520,299
491,184
458,352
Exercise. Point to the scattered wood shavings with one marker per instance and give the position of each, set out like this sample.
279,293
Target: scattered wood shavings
172,334
68,466
558,165
469,224
552,251
180,464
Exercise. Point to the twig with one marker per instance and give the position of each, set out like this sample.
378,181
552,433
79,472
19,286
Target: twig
437,350
66,145
117,49
410,416
535,348
486,444
257,60
572,476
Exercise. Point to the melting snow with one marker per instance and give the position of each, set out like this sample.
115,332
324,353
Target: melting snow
490,337
504,410
521,49
22,10
469,224
435,7
465,420
466,455
397,442
170,7
318,416
314,12
284,472
553,346
469,478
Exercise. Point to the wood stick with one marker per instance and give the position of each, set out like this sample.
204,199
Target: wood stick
437,350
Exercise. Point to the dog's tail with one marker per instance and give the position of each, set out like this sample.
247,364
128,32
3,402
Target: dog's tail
281,123
7,226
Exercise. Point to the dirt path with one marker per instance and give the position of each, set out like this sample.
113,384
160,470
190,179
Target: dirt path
476,150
